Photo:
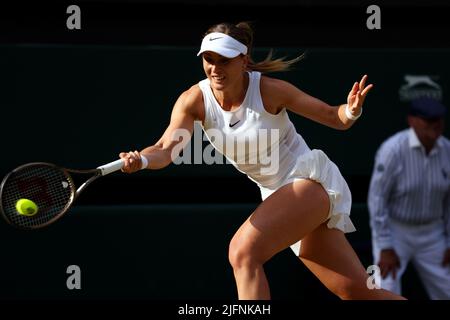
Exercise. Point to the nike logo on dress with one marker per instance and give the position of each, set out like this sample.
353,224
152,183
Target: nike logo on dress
232,125
212,39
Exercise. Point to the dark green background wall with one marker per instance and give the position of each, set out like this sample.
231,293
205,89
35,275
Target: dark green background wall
79,106
78,98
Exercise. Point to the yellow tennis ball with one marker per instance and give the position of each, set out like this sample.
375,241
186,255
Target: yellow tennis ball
26,207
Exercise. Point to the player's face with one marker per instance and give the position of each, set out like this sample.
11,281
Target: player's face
223,72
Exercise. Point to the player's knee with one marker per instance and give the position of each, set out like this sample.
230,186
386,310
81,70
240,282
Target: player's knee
241,254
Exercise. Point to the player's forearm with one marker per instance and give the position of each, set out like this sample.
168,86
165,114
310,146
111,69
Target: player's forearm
157,157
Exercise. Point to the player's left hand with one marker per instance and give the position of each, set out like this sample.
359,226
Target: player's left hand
357,95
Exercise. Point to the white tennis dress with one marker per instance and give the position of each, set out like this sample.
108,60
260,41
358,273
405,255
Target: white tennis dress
271,153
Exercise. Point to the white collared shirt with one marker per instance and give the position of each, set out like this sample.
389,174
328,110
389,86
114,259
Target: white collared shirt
408,185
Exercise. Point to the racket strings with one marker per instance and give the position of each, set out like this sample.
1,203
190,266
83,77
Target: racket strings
47,186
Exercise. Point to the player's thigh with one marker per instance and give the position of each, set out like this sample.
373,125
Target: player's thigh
329,255
283,218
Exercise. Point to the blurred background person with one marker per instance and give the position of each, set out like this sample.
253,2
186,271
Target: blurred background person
409,202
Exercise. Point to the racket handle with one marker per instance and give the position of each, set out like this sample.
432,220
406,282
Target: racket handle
111,167
117,165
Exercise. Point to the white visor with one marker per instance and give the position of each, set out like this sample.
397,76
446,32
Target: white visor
222,44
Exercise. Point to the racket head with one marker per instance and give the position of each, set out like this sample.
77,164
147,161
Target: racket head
49,186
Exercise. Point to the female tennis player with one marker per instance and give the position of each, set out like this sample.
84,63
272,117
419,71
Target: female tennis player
306,201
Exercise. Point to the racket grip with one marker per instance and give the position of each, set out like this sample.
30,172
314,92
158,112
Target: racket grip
111,167
118,164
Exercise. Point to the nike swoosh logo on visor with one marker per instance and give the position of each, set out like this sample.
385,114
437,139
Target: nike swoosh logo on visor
212,39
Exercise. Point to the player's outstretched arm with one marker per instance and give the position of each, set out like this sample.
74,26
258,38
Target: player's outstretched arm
186,110
285,95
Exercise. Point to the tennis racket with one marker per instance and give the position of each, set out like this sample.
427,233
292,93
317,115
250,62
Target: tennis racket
49,186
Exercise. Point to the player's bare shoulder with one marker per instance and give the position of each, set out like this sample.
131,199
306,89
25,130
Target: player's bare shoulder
273,85
191,101
273,93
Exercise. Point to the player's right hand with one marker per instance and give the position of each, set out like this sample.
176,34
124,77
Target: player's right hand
389,262
132,161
